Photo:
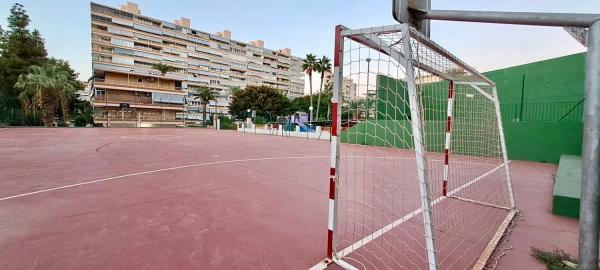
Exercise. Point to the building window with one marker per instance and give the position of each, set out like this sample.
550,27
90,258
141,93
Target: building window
140,80
122,42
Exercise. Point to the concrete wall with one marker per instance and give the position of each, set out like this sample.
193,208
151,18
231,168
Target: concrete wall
541,106
552,89
557,79
542,141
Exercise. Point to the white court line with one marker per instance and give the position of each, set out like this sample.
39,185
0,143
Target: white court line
413,158
358,244
181,167
153,171
99,137
408,216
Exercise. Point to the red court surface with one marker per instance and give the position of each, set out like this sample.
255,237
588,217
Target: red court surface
195,199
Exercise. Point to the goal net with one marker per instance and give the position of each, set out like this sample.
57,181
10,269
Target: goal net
419,175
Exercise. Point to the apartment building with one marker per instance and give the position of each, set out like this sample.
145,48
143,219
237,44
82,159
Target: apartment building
130,92
349,91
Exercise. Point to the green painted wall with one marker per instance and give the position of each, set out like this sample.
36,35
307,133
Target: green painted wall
392,99
541,106
391,127
557,79
542,141
550,123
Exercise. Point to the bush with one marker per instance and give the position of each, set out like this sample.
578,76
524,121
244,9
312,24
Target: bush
260,120
227,123
83,119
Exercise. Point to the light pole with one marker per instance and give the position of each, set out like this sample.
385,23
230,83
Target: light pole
249,115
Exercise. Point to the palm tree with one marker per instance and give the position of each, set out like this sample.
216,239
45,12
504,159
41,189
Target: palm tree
42,88
205,95
322,65
163,69
232,90
308,66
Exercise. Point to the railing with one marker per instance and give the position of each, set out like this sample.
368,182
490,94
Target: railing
553,111
147,48
138,84
134,100
128,99
129,118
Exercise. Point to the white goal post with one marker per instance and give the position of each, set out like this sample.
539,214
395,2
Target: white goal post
419,175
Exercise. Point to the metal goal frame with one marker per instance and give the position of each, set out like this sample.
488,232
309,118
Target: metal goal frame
369,37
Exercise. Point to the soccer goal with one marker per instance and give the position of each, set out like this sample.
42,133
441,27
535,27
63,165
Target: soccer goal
419,176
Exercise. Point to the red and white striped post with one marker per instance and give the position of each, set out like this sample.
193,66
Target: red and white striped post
448,137
335,127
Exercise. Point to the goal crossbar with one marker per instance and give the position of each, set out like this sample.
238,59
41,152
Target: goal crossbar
364,36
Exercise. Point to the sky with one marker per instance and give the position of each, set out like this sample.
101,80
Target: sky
307,26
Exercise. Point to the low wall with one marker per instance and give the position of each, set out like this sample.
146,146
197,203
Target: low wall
567,187
534,141
319,134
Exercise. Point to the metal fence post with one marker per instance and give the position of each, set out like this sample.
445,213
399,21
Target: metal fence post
590,173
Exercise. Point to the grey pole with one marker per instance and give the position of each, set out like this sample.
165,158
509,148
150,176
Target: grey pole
590,174
523,18
590,182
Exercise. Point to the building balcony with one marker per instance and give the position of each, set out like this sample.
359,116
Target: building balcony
134,102
106,83
116,118
131,70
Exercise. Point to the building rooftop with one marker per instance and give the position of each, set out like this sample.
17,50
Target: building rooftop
224,36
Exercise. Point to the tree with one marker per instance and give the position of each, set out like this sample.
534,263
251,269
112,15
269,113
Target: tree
232,90
266,101
322,65
163,69
205,95
82,112
19,49
355,109
308,67
45,88
300,103
64,66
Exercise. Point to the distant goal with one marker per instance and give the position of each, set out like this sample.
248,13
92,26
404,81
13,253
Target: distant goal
419,176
